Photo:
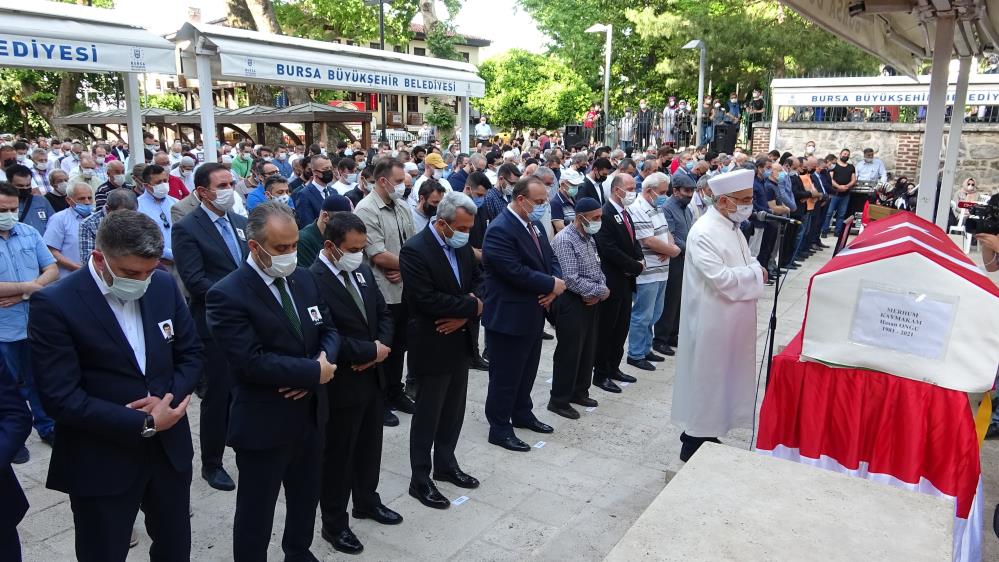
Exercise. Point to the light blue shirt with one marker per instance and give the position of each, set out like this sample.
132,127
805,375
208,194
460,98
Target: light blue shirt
258,196
23,255
449,252
785,193
875,171
39,214
63,234
159,211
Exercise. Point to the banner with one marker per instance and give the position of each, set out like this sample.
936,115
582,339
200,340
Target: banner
83,56
866,96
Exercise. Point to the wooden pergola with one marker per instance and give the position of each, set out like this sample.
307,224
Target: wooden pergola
256,117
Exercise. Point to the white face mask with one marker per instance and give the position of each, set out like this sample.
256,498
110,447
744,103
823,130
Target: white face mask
86,173
741,213
281,265
100,160
349,261
398,191
41,166
629,198
224,199
161,190
119,179
8,220
125,288
283,198
438,174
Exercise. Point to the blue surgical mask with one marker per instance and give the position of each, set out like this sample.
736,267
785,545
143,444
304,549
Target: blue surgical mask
83,210
479,201
689,165
781,176
539,211
457,239
661,200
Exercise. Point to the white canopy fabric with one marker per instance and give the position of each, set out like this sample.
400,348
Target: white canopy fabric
252,56
67,37
983,89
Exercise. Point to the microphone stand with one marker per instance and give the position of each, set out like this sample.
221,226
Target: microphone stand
772,329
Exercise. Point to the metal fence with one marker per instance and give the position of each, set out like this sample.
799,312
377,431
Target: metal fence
879,114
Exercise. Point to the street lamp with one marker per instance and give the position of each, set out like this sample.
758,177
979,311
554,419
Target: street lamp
609,29
698,44
381,31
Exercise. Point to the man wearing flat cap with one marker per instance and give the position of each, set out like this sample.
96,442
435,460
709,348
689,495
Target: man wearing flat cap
714,389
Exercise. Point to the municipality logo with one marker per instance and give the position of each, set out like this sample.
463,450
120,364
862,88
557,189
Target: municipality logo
249,70
138,60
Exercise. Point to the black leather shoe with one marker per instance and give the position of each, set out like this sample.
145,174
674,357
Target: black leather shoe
511,444
391,420
458,478
479,364
429,495
607,385
404,404
653,357
621,377
380,514
48,438
535,426
410,391
345,541
638,364
22,456
821,245
547,336
564,411
585,402
664,349
218,478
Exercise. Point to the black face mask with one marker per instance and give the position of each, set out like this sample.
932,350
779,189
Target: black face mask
9,162
327,176
429,210
23,193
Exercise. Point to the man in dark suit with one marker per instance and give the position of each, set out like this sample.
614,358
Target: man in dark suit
210,243
117,356
621,260
593,185
440,280
15,426
522,281
353,456
279,358
309,199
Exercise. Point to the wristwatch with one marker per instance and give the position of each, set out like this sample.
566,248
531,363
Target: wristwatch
148,427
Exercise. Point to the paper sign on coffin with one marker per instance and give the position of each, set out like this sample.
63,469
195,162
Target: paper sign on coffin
903,299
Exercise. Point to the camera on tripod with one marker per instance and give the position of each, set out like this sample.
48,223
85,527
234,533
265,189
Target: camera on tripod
982,219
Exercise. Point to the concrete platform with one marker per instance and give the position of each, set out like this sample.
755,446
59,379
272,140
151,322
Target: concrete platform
733,504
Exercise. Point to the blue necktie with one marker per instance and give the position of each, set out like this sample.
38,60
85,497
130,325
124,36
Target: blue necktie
226,229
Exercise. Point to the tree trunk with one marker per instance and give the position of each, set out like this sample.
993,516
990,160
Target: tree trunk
264,18
429,12
69,84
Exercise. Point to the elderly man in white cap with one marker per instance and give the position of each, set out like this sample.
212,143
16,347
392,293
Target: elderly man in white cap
714,388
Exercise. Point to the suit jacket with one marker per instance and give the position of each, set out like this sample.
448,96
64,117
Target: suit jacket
86,372
202,258
620,253
308,203
265,353
15,426
516,275
801,197
183,207
590,189
431,292
357,334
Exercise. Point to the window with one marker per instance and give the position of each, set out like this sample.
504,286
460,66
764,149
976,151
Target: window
464,56
375,45
419,51
352,43
412,104
391,103
401,49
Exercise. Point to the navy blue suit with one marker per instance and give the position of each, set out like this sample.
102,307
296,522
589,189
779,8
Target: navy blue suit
86,373
202,259
308,203
277,440
15,426
516,275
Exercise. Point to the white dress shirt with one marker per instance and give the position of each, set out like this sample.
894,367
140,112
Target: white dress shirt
269,281
128,315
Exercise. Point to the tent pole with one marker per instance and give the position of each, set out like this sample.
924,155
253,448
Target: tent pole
133,113
943,46
462,128
953,143
203,66
774,114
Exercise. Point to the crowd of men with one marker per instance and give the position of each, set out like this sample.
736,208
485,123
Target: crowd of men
308,296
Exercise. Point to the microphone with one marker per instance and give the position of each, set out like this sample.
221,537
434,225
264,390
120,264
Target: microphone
769,217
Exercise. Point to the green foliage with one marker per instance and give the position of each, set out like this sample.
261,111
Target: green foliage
441,40
528,90
748,43
172,102
441,116
323,96
350,19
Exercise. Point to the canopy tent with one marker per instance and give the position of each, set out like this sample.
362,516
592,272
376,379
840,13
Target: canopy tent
904,33
67,37
210,51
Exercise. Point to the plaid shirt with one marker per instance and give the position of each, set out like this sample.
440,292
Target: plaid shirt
577,254
494,203
88,233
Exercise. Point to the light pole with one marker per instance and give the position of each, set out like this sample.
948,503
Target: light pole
698,44
609,29
381,32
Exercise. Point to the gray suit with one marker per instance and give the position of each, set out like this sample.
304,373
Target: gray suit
184,207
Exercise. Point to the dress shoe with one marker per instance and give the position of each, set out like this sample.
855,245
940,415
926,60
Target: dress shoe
511,443
345,541
218,478
380,514
664,349
821,245
410,391
547,336
458,478
653,357
391,420
133,541
691,444
404,404
638,364
585,402
429,495
479,364
536,426
22,456
607,385
621,377
48,438
564,411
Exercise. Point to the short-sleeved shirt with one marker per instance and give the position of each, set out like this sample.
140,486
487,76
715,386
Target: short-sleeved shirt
389,226
563,209
23,255
649,222
159,211
38,214
842,175
63,234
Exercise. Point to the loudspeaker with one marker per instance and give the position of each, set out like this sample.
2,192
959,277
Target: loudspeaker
725,138
573,135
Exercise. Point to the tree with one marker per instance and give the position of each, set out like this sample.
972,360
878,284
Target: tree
528,90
